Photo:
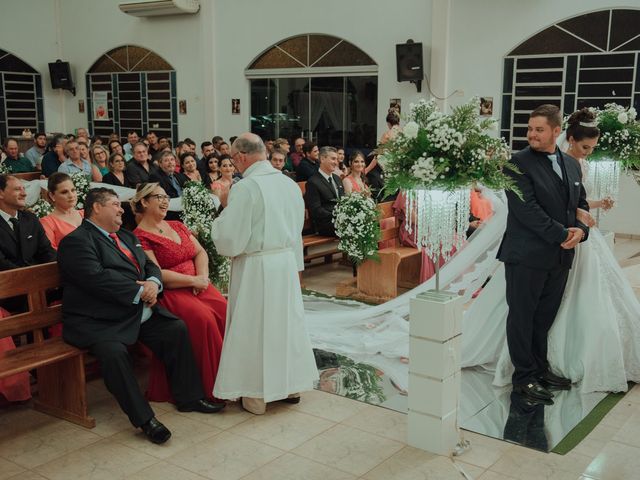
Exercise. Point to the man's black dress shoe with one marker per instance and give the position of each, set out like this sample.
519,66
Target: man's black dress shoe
550,379
202,406
156,431
293,400
533,390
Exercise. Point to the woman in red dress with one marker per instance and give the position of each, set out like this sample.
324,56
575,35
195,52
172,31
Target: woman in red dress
187,292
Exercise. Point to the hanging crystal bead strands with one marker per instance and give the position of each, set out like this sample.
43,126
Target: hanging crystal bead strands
603,180
438,220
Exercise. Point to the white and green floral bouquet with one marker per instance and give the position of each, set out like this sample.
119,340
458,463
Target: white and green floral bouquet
619,135
357,224
41,208
82,184
435,150
198,214
4,169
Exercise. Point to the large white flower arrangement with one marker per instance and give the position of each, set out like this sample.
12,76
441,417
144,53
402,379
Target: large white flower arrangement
198,214
357,224
619,135
82,184
442,151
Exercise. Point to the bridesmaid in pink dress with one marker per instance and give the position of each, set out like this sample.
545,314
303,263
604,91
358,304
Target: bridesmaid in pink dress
64,218
355,180
187,292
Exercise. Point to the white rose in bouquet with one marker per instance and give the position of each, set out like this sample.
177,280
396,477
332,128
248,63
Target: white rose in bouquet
632,113
410,130
623,117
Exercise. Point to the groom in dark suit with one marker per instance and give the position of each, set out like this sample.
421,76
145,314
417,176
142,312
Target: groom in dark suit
538,249
323,190
109,303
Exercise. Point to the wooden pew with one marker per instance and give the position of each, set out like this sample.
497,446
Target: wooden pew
399,266
313,239
60,367
27,176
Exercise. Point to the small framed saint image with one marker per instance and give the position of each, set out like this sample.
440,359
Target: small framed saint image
486,106
395,104
235,106
182,107
80,106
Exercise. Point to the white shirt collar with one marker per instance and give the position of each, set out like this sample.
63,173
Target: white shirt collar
6,217
327,176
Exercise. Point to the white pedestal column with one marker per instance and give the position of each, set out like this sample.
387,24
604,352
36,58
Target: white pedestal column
434,371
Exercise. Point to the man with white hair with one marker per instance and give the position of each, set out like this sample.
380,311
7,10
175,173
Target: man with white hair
266,355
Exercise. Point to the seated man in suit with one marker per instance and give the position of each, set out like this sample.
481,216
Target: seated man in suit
109,303
22,238
170,180
308,166
323,191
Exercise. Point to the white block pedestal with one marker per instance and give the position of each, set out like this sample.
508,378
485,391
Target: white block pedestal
434,371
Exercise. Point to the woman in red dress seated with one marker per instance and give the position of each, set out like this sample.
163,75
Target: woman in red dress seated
187,292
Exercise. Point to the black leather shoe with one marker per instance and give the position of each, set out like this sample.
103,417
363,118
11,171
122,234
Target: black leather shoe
533,390
293,400
156,431
550,379
202,406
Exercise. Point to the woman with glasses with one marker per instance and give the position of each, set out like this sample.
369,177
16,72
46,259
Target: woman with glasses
116,175
99,156
188,294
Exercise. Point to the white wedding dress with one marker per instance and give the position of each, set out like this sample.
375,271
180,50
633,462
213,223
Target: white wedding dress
595,338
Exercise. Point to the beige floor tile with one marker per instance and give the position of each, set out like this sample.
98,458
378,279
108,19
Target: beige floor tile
293,467
28,475
9,469
185,433
527,464
633,395
629,432
472,471
226,456
484,451
349,449
596,440
616,461
97,391
381,421
327,405
489,475
619,414
232,415
46,442
163,470
18,419
414,464
110,419
105,459
282,428
324,278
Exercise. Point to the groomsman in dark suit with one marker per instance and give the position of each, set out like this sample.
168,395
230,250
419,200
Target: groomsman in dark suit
22,238
109,303
538,249
170,180
323,191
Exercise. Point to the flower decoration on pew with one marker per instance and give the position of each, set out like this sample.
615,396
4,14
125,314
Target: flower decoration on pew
41,208
4,169
357,223
198,214
82,184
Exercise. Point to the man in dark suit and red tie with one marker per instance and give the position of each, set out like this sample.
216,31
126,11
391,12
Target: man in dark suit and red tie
322,192
109,303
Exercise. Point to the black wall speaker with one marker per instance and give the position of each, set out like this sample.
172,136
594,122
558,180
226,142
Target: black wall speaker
409,62
60,73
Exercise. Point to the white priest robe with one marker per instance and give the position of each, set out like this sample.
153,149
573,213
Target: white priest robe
266,352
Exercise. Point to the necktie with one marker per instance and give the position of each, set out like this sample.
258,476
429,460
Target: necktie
126,251
555,165
176,185
16,231
333,185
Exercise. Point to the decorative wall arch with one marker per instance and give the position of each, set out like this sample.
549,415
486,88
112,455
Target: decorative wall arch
588,60
141,93
21,102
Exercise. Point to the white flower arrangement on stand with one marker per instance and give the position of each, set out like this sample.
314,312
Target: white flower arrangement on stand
82,184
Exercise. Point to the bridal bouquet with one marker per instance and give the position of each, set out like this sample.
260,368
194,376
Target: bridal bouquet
357,223
82,184
619,135
198,214
442,151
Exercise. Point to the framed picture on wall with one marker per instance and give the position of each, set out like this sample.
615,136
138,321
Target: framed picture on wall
235,106
182,107
486,106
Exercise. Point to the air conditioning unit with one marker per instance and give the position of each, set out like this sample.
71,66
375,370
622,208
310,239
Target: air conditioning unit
160,7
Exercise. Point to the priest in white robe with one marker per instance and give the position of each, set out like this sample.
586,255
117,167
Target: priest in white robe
266,355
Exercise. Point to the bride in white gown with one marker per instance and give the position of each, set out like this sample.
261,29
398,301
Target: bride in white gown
595,338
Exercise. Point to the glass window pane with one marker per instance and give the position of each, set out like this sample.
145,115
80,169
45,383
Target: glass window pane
293,108
263,106
361,112
327,110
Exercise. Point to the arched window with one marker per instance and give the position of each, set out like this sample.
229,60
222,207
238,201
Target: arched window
588,60
140,89
21,105
316,86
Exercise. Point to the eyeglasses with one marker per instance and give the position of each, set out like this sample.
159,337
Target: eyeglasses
160,197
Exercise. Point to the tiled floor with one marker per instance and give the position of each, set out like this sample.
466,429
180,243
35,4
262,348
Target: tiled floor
325,437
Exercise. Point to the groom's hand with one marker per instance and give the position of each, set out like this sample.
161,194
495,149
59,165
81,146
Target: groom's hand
574,237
